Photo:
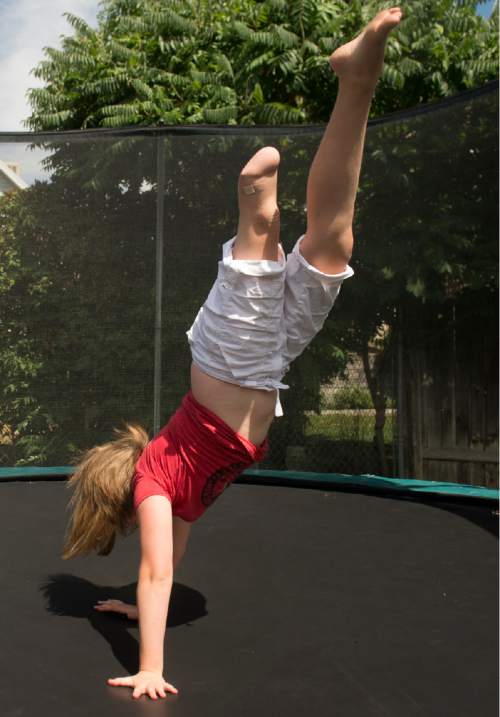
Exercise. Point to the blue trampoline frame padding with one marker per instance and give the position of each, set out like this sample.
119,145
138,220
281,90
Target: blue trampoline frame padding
327,481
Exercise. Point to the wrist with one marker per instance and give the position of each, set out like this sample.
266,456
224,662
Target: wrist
154,670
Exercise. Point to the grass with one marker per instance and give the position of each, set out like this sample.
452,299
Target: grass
350,427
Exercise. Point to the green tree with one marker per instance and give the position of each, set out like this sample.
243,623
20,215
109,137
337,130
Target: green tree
249,62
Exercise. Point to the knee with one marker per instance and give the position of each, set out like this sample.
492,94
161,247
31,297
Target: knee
327,228
337,232
343,241
262,218
331,246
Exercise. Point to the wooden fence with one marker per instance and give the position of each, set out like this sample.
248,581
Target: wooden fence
450,420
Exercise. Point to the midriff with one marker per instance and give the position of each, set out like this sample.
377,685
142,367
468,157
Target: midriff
248,411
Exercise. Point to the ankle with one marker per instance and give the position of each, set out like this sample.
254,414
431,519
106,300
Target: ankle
363,86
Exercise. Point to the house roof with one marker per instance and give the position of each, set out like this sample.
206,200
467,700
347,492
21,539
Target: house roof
11,176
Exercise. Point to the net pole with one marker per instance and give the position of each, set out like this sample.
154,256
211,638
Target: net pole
160,211
394,393
400,400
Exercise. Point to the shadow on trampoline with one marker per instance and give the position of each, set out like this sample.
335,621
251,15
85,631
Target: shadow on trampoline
481,514
485,519
73,596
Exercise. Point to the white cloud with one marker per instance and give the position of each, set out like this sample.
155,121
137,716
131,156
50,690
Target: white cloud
27,27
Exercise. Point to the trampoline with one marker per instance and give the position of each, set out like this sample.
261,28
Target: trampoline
299,594
332,594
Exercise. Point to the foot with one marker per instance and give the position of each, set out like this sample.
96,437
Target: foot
123,608
361,60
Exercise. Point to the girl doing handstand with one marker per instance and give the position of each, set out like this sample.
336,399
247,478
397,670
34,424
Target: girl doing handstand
261,313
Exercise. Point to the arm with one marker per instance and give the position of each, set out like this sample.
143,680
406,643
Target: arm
155,579
153,594
152,599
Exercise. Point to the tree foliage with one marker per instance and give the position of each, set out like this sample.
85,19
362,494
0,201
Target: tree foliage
249,61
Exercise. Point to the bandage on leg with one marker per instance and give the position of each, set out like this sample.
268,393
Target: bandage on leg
258,226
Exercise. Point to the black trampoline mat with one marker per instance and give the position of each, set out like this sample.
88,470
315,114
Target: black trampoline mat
288,602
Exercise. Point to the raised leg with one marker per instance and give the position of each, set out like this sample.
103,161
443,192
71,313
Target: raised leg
248,410
334,175
258,226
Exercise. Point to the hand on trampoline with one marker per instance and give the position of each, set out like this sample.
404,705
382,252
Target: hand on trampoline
123,608
145,682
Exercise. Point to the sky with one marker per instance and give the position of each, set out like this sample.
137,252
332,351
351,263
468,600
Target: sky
29,26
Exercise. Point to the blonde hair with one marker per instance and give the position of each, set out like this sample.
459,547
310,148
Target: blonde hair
102,501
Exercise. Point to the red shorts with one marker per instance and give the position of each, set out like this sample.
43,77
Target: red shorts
192,460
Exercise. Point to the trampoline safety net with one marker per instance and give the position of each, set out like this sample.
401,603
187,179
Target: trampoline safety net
102,229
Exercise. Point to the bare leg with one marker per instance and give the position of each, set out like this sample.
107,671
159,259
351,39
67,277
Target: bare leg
334,175
248,411
258,226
